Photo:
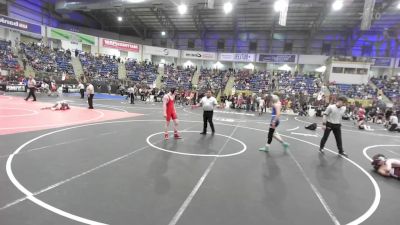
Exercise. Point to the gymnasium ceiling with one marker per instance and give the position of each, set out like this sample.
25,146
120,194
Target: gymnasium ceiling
310,16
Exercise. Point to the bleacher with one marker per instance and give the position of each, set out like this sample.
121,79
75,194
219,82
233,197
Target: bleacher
141,72
353,91
213,79
44,59
390,87
178,77
7,59
102,65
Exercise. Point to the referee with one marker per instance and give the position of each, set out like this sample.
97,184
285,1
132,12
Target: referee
332,118
32,89
208,102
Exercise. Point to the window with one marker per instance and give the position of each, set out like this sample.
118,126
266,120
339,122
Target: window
362,71
350,70
337,70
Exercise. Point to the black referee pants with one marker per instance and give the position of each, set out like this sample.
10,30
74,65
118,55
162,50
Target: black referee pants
207,117
337,132
31,93
132,96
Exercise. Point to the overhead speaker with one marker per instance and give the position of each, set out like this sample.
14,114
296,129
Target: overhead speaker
326,48
288,47
253,46
221,45
190,44
163,43
366,50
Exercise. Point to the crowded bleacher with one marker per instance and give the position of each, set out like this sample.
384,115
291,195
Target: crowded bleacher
390,87
364,91
7,58
99,65
178,77
141,72
213,79
45,59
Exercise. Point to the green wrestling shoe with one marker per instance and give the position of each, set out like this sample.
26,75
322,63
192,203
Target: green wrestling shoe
264,149
285,146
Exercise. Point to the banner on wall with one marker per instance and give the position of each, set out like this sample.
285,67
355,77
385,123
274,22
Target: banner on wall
6,21
237,57
120,45
150,50
70,36
199,55
381,62
277,58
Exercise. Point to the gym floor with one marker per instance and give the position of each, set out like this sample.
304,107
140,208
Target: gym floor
111,166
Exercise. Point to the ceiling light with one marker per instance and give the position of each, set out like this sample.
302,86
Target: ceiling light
279,5
321,69
285,68
228,7
163,33
398,6
337,5
119,18
182,9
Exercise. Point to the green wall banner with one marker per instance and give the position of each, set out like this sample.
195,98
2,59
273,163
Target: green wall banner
71,36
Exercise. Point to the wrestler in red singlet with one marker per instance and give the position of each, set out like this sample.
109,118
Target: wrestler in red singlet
170,113
361,114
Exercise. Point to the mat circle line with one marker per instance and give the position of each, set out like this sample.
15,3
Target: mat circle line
34,112
375,146
71,216
199,155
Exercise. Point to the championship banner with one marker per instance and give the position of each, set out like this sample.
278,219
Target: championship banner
6,21
199,55
150,50
120,45
59,34
237,57
277,58
381,62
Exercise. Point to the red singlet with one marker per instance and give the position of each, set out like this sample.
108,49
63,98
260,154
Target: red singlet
171,113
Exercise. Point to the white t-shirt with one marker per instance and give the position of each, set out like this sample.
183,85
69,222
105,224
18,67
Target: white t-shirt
90,89
208,103
334,114
81,86
393,119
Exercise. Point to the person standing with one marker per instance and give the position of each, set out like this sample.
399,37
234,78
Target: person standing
394,123
332,118
276,113
81,88
170,113
131,92
90,93
32,89
208,102
109,89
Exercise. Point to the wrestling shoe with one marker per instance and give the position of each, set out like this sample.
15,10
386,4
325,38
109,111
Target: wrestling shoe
343,154
264,149
285,146
177,136
321,150
166,136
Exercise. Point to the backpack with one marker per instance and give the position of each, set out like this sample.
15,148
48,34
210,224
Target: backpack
312,126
